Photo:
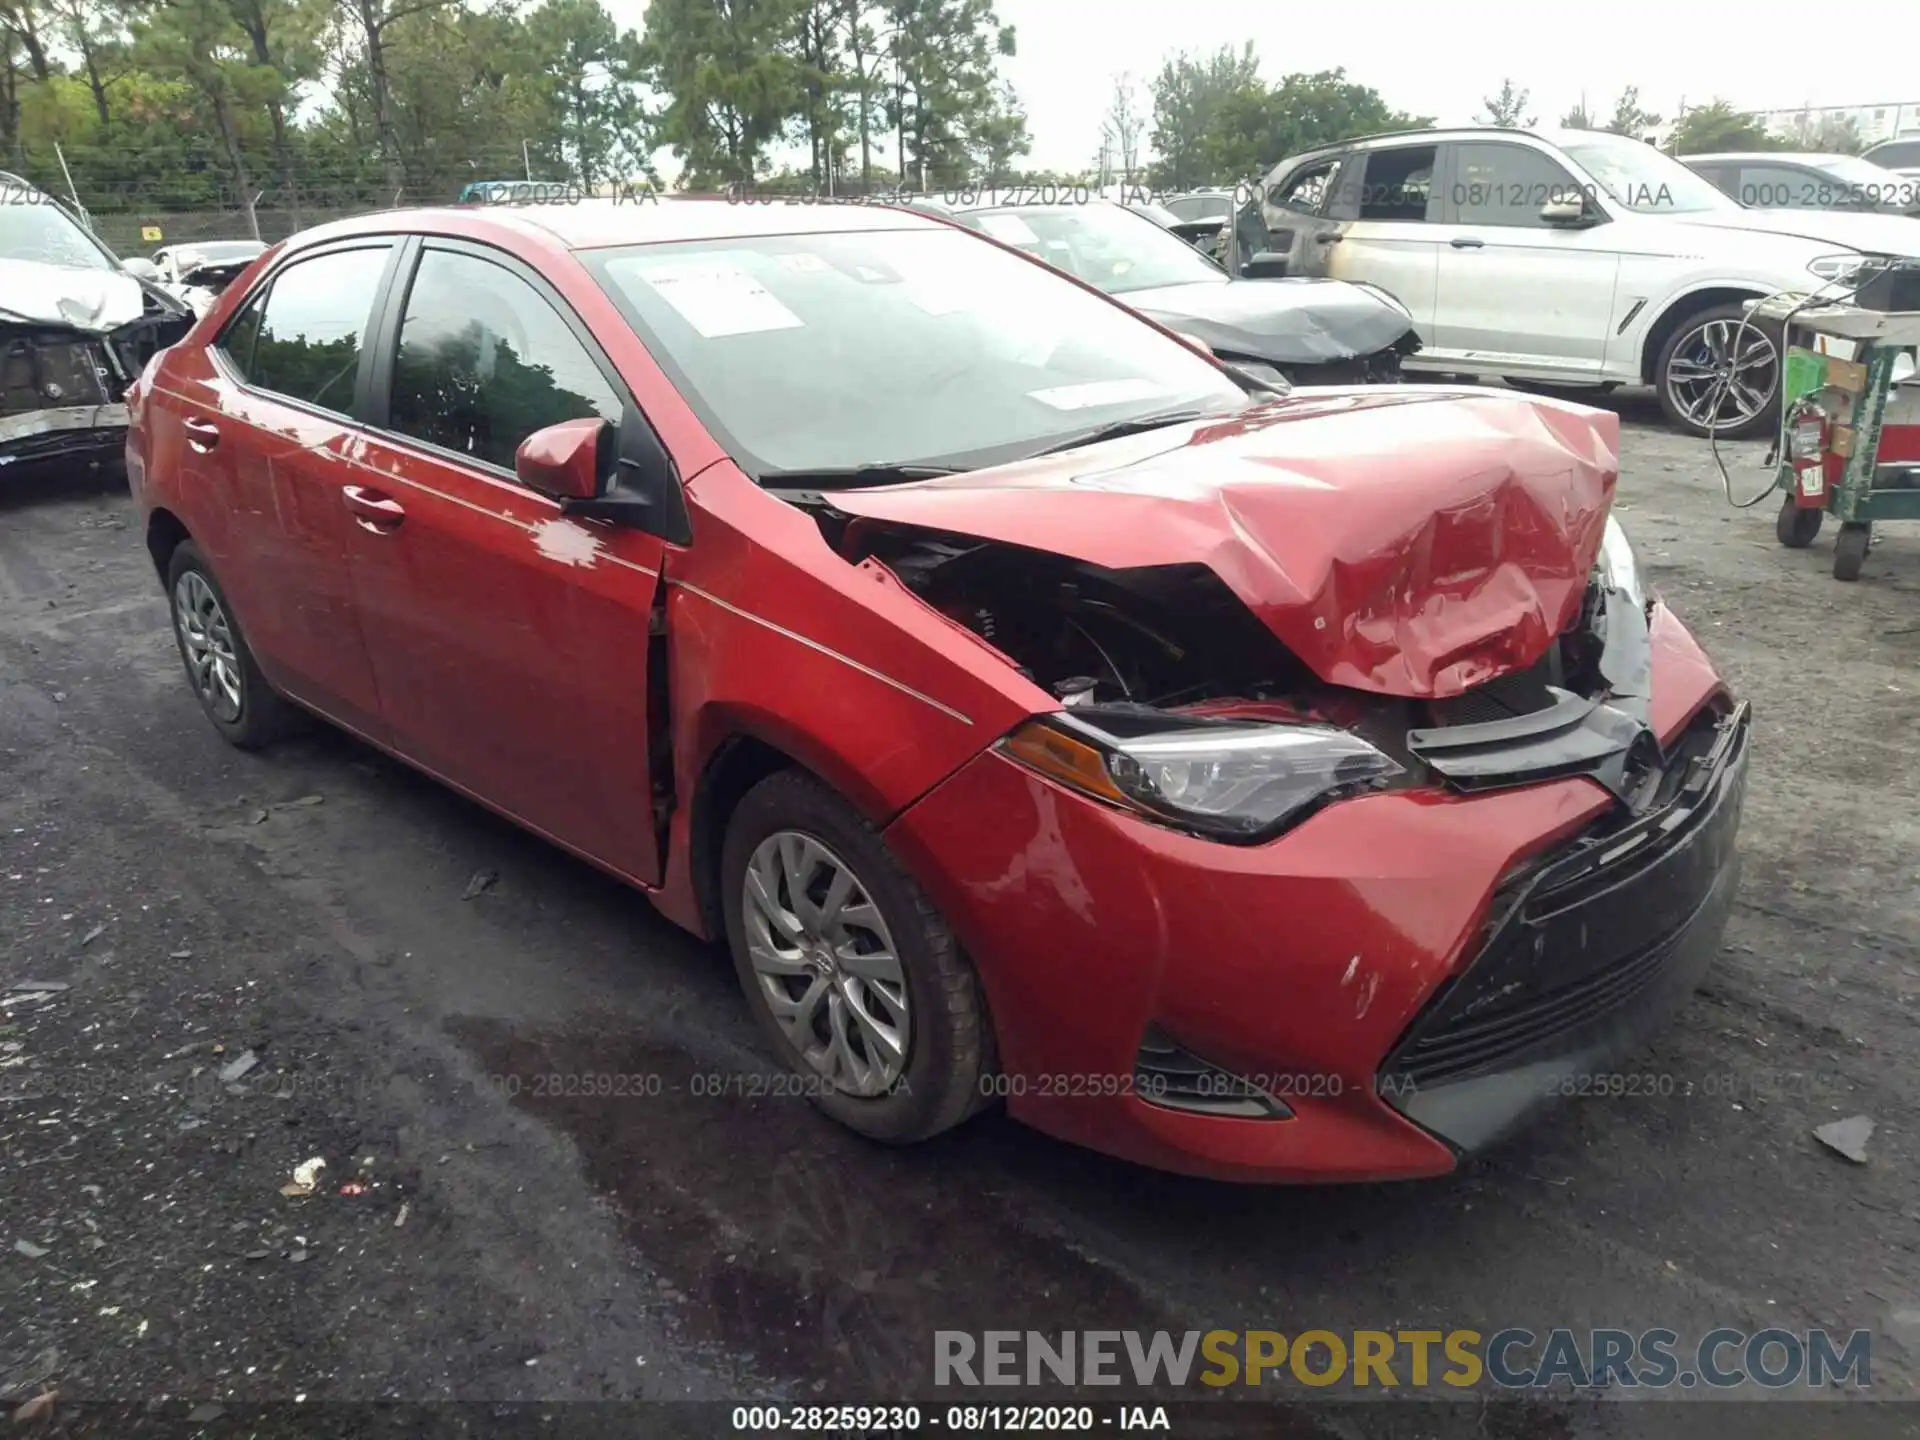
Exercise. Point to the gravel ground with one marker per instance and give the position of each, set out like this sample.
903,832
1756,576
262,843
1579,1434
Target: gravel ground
270,960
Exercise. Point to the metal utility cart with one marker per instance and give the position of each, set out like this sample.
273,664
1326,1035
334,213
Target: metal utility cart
1849,440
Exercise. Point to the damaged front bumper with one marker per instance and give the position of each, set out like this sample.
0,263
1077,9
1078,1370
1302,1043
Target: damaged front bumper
1404,978
63,389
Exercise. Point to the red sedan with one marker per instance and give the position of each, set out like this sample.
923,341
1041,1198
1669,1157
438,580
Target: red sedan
1267,785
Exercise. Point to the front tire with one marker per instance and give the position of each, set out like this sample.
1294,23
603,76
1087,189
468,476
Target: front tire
220,667
856,982
1706,389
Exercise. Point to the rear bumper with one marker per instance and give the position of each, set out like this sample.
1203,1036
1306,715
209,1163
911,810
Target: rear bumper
84,434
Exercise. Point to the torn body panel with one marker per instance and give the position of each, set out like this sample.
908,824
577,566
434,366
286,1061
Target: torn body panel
1411,542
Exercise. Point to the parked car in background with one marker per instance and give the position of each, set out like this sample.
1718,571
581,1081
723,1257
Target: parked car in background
1201,234
1204,216
1790,180
1901,155
76,326
1576,259
1313,332
199,271
1017,692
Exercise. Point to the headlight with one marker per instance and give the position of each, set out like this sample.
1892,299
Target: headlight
1844,269
1619,566
1229,780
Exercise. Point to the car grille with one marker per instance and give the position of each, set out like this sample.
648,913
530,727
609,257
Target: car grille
1580,932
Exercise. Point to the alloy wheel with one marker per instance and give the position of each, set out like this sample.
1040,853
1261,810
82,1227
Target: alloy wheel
206,637
1715,388
826,963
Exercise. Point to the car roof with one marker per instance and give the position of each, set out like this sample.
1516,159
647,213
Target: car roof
590,224
1791,157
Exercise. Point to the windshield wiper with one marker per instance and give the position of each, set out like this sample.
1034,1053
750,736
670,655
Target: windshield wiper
1139,425
852,477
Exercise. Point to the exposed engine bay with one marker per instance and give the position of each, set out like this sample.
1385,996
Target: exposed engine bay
61,389
1115,646
76,329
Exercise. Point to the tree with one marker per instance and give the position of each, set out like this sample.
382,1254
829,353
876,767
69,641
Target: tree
1828,134
946,55
374,22
730,85
199,40
1125,121
1629,118
1577,118
1187,96
1256,127
589,70
1000,136
1508,109
1717,126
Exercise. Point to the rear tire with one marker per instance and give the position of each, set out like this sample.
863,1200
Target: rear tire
1683,376
220,667
799,839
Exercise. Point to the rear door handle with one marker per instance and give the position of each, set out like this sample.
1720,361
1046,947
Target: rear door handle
372,510
1466,242
202,435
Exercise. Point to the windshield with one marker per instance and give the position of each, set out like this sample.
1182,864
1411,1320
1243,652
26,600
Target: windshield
1643,179
32,227
1864,183
1107,246
894,347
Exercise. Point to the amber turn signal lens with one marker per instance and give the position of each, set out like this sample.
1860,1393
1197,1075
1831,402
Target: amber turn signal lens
1061,757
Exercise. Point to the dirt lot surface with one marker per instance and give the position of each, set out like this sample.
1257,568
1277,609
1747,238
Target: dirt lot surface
273,959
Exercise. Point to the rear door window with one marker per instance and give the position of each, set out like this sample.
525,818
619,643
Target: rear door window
304,340
1397,183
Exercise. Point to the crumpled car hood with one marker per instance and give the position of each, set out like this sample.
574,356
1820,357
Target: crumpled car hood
92,300
1284,322
1406,541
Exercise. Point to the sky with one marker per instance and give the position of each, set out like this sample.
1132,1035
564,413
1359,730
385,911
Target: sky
1444,59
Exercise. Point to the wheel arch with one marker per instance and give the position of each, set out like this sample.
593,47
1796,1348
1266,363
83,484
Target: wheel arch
166,533
1679,310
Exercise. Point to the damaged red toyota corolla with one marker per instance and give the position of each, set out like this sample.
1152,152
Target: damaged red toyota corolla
1270,786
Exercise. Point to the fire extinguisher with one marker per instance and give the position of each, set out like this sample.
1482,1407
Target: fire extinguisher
1809,433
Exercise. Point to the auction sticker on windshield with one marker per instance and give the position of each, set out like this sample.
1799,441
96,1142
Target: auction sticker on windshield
1098,392
1010,228
720,300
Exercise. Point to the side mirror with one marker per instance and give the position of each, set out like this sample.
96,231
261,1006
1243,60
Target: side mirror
1267,265
569,461
1566,212
141,268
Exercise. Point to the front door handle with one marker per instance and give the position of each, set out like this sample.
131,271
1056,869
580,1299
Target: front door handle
372,510
202,435
1466,242
1332,237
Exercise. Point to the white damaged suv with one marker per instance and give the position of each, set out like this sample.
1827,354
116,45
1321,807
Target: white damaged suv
1569,260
